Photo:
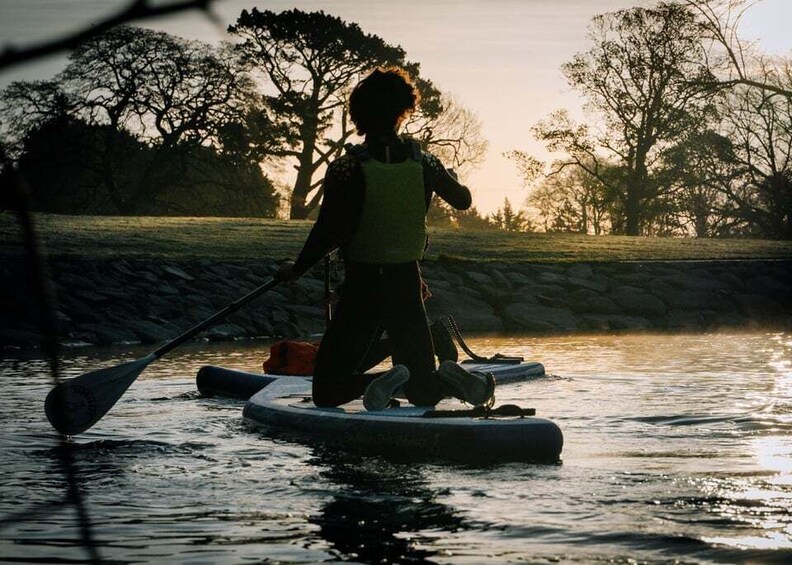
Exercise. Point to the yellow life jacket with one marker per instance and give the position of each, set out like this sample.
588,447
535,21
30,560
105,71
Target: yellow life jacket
392,227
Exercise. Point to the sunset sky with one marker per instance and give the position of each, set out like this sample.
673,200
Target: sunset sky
500,58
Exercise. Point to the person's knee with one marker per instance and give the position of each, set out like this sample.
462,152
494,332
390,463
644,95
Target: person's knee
325,396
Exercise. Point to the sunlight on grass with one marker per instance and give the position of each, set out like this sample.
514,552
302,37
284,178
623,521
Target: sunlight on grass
181,238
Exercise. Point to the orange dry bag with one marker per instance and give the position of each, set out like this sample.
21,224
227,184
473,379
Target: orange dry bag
295,358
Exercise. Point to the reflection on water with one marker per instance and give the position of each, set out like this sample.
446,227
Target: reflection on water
381,512
676,448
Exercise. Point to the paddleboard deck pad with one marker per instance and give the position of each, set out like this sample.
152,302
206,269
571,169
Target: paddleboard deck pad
228,383
285,406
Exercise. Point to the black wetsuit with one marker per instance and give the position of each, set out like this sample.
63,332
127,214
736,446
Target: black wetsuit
374,297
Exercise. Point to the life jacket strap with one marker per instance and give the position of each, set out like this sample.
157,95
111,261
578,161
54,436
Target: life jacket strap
361,151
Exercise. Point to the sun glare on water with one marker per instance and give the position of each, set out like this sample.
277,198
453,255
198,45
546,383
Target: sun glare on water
760,505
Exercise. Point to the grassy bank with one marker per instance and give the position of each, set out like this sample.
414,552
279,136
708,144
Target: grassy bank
251,238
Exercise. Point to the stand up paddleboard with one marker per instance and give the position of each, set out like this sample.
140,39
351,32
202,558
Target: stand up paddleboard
449,431
445,432
228,383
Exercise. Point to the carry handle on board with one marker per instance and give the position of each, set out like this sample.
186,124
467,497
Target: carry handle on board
75,405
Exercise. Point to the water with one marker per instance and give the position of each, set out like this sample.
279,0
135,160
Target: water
678,448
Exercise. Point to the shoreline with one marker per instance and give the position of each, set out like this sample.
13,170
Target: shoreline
128,301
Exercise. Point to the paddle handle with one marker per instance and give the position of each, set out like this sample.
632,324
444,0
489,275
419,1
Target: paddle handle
233,307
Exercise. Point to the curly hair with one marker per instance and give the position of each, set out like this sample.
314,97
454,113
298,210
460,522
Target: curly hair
382,100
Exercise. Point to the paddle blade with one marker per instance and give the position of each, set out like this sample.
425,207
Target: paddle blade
77,404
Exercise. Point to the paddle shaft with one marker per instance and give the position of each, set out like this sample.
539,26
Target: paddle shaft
233,307
328,291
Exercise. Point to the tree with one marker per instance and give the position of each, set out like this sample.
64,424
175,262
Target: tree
737,62
643,78
702,167
164,89
471,219
27,105
572,201
508,219
147,100
760,127
311,60
448,130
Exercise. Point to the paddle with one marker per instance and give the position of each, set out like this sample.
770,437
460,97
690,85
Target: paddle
75,405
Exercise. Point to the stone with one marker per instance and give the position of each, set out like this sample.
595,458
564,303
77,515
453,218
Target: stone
262,327
718,320
640,304
148,276
500,279
168,290
123,267
757,306
113,294
733,282
108,334
471,313
237,271
78,338
462,289
632,323
18,338
525,297
177,273
517,278
597,283
593,323
286,330
149,332
279,315
535,317
767,285
781,271
453,278
551,278
77,310
684,320
220,270
223,332
480,278
551,290
312,287
580,270
207,285
74,281
626,289
437,283
300,311
263,270
582,294
594,305
683,299
91,297
689,281
550,301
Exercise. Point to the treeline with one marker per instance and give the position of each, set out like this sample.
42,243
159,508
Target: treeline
695,134
142,122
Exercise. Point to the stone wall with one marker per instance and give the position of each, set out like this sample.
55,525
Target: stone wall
127,301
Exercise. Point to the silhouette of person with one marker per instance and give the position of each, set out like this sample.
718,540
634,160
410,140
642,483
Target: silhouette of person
374,209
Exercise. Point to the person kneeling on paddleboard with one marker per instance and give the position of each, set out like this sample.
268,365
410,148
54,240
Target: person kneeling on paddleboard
374,209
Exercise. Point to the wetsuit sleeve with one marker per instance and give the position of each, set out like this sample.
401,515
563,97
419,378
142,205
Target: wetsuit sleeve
339,213
438,180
